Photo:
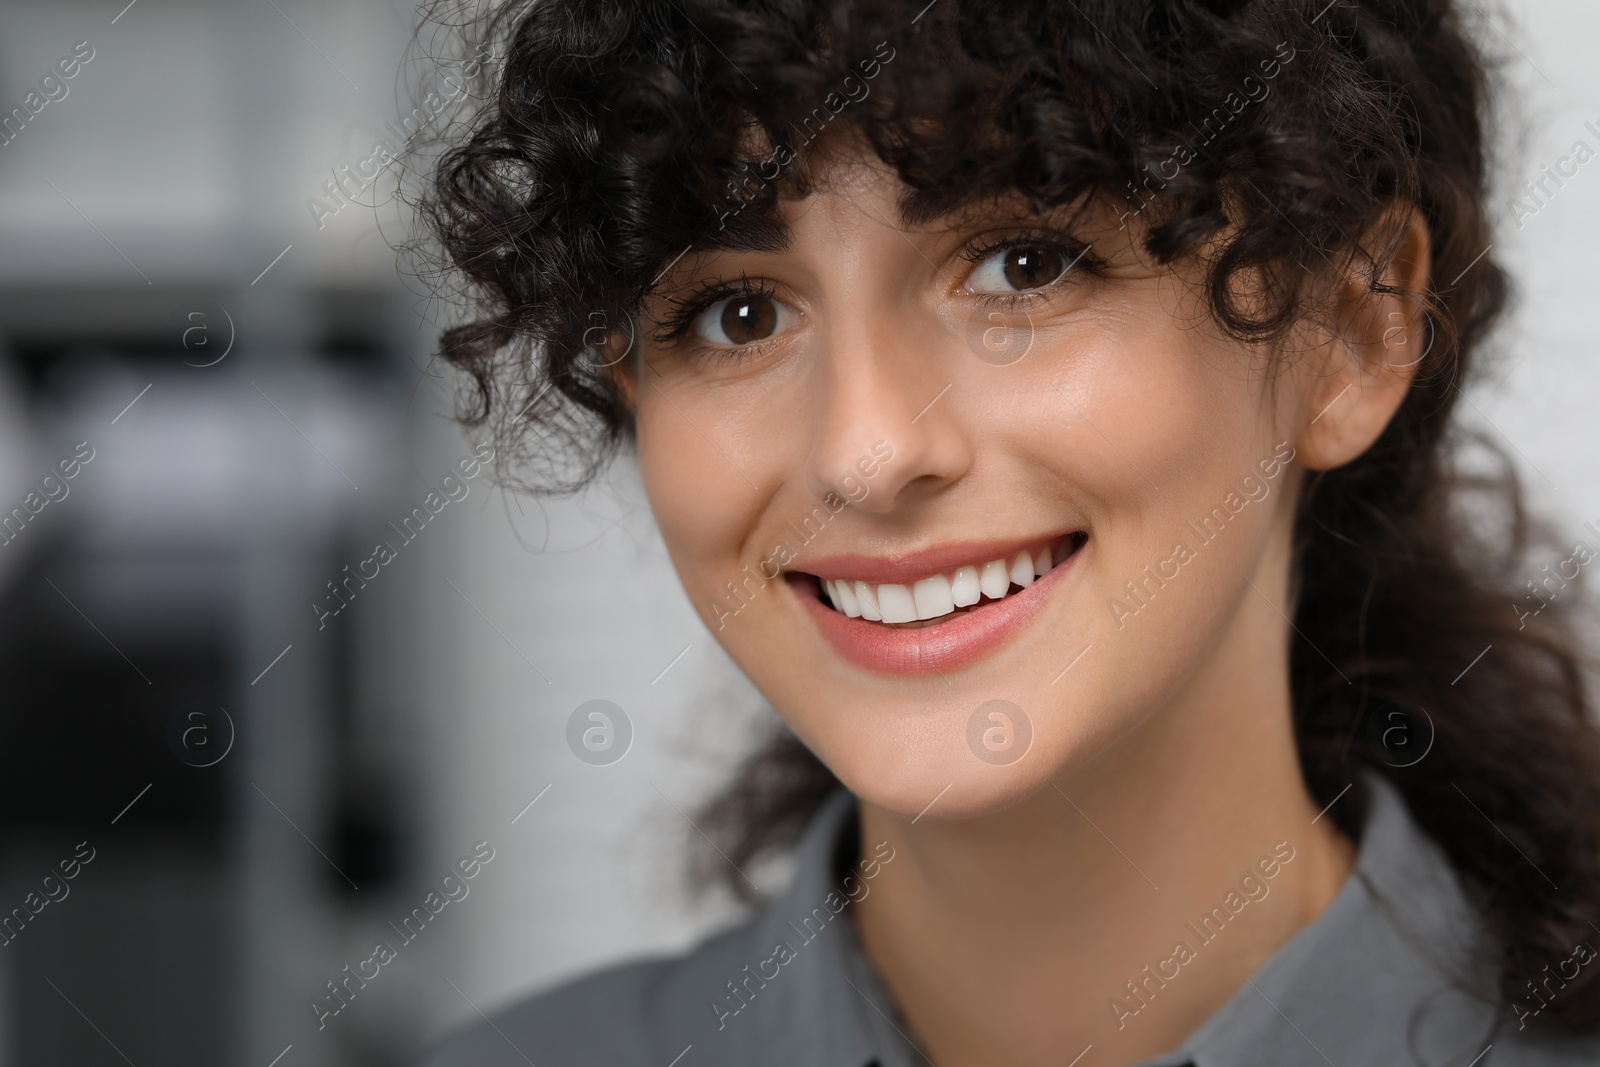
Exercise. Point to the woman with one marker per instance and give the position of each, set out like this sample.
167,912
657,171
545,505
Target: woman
1048,406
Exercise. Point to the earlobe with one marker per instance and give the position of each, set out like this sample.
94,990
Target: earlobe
1361,373
625,376
621,359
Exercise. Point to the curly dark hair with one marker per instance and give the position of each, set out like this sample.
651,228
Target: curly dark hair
620,133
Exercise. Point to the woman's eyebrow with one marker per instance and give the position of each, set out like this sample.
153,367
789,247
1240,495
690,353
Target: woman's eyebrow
743,230
767,233
771,236
1000,209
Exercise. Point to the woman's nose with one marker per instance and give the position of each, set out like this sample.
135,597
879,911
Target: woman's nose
888,425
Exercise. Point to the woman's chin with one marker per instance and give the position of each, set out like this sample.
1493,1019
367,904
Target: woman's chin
945,781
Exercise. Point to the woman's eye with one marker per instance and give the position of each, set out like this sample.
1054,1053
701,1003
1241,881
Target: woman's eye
743,320
1017,269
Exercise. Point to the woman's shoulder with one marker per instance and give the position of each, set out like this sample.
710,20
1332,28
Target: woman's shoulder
773,989
1399,968
643,1011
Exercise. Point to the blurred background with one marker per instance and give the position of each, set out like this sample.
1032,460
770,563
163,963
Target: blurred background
269,739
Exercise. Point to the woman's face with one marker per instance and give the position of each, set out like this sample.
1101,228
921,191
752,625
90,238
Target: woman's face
1043,478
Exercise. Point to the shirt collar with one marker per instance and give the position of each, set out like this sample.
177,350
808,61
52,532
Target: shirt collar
1378,971
1372,974
835,1011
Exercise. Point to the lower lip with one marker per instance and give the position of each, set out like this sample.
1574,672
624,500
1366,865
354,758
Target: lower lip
941,646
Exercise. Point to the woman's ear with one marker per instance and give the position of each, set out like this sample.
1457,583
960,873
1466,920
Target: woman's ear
619,355
1363,365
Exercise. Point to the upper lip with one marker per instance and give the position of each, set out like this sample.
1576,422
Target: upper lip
910,566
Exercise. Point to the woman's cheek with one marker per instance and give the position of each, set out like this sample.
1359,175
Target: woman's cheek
696,497
709,477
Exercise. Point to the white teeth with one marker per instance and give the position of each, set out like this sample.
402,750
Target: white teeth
995,580
933,597
964,587
896,604
939,594
847,599
867,600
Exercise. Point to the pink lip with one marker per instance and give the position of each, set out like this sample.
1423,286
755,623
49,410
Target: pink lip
914,565
953,642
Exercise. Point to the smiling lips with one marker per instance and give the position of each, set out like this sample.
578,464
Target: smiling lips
879,616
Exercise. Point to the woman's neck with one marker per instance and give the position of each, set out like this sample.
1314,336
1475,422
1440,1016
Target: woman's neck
1089,913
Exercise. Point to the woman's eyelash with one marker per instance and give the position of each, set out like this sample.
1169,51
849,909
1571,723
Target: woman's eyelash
1077,253
683,311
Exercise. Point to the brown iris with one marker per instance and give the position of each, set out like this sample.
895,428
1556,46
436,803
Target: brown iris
1030,268
748,319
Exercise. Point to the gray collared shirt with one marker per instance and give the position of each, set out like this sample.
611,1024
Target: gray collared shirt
1367,983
